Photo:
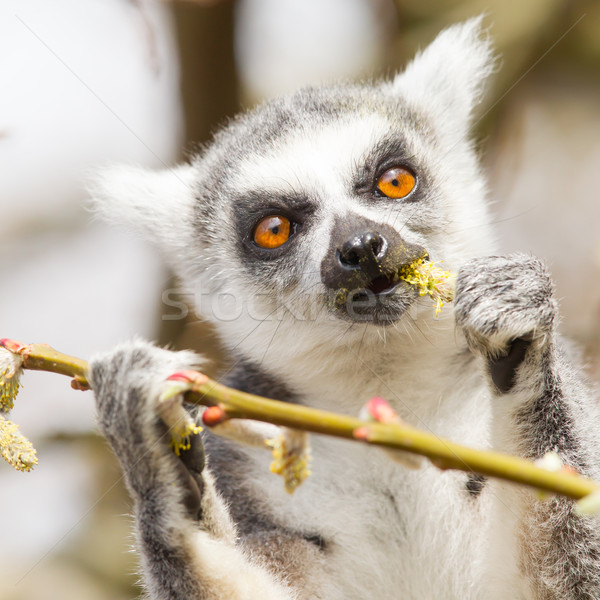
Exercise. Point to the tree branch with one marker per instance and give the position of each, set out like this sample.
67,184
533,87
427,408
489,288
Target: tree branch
234,404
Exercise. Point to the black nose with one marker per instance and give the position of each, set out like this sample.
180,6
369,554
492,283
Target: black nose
363,251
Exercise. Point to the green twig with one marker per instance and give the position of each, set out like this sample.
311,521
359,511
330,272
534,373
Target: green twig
400,436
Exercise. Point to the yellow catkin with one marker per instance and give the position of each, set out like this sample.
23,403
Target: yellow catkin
10,373
291,458
431,280
180,423
15,448
181,434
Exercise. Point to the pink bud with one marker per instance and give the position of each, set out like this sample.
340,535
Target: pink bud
362,433
188,376
381,411
12,345
213,415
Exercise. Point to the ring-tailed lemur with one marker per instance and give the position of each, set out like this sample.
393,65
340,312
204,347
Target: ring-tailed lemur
322,195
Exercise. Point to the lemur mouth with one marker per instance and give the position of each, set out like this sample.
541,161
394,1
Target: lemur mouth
378,300
383,284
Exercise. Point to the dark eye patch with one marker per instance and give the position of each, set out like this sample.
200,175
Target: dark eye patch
252,208
389,153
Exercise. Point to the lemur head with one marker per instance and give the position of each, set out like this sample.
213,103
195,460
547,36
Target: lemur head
317,200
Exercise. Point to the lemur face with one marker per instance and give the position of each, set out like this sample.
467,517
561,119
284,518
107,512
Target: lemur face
334,212
331,193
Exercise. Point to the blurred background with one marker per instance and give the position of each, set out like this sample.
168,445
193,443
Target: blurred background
91,82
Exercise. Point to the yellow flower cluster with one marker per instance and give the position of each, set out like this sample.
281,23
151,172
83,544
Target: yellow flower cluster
10,372
16,449
432,281
181,433
291,458
180,423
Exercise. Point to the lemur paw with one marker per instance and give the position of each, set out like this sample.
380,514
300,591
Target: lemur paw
504,305
128,383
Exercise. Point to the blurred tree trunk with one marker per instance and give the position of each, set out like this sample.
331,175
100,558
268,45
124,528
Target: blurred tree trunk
208,76
209,89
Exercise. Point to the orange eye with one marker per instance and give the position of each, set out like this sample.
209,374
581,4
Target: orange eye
396,183
272,232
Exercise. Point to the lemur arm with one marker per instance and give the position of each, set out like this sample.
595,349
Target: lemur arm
506,309
187,540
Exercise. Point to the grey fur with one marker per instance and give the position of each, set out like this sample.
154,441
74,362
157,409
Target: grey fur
151,471
215,524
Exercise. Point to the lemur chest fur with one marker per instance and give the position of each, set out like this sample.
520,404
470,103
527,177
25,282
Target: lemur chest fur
377,523
370,514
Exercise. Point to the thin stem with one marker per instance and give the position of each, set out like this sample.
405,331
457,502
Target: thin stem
236,404
41,357
443,453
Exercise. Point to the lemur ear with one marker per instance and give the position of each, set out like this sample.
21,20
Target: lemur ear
447,77
158,204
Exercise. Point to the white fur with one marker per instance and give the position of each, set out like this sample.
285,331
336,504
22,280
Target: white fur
157,204
231,576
